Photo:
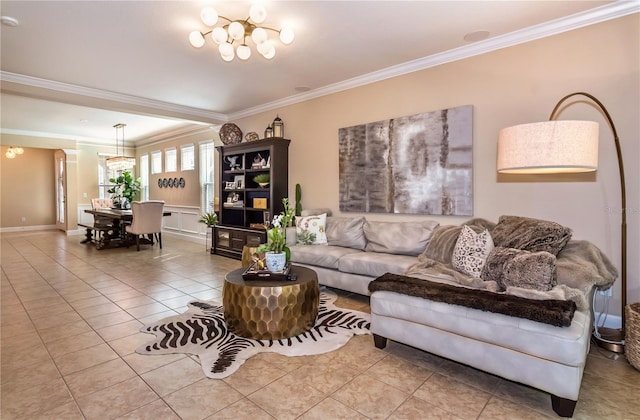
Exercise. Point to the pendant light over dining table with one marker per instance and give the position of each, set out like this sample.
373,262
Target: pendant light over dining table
120,162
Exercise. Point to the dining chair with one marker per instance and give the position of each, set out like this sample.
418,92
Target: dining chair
147,220
101,221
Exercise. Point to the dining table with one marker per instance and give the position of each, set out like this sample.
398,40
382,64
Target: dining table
111,234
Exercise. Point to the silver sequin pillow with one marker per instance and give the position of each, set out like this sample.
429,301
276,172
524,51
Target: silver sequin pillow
471,251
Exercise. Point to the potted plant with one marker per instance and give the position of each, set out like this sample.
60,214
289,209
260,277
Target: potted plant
262,180
276,251
125,190
209,219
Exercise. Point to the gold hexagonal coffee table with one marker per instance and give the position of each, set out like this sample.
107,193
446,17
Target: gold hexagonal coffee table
270,309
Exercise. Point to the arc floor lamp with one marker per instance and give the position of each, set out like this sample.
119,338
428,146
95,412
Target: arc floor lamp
567,147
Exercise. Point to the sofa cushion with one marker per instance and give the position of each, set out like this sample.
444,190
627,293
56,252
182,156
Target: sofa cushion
404,238
310,230
530,234
346,231
320,255
471,251
374,264
511,267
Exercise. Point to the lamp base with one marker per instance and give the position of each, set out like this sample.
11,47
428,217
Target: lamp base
610,339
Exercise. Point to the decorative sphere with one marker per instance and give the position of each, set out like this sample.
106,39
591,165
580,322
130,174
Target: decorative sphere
259,35
264,47
196,39
244,52
219,35
258,13
236,30
209,16
286,35
226,51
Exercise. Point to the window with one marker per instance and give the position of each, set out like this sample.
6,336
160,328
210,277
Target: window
144,177
104,174
187,157
170,160
206,176
156,162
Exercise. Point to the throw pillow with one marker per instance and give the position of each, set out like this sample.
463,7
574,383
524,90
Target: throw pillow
346,231
511,267
471,251
530,234
310,230
444,239
403,238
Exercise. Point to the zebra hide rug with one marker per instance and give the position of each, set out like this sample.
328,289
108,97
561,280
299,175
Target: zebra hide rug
201,331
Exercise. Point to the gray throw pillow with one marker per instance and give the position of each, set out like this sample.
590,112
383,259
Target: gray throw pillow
518,268
346,231
530,234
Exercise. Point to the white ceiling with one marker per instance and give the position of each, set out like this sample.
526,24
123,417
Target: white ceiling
73,69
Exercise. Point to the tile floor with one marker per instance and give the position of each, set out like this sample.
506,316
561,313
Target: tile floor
70,319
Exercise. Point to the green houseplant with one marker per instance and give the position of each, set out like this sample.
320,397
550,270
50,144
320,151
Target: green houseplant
262,179
125,190
277,239
209,219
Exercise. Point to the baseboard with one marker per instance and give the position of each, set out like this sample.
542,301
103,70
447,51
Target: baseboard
191,238
27,228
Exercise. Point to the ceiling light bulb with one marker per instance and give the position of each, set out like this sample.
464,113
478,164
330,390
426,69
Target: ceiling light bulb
286,35
270,54
258,13
263,47
209,16
18,150
226,51
259,35
219,35
244,52
196,39
10,153
236,30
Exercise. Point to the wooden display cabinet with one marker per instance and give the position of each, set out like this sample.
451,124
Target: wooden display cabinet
243,203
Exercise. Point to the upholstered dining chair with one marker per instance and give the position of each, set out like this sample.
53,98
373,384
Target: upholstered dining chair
101,203
147,220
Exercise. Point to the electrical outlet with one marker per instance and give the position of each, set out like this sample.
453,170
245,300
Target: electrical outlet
608,292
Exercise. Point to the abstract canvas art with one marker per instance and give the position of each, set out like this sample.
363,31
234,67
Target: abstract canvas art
419,164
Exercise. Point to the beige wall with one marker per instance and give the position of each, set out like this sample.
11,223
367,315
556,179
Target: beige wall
27,186
506,87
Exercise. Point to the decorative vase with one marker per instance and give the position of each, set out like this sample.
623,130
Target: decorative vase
275,261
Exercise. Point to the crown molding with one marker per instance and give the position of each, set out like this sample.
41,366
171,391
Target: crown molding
166,107
175,134
579,20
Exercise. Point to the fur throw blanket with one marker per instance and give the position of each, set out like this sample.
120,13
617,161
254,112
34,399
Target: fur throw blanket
558,313
580,266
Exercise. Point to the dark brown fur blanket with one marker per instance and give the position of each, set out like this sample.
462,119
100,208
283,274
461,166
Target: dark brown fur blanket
558,313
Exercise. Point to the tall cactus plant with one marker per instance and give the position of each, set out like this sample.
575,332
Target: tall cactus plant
298,202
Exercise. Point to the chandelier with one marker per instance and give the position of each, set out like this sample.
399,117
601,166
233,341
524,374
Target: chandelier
120,162
13,151
237,31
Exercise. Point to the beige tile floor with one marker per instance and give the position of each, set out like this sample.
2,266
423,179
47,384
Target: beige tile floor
70,320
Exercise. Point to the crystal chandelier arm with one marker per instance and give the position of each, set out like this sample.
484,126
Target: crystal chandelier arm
623,210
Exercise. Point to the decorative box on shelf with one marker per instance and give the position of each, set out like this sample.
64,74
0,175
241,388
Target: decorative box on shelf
260,203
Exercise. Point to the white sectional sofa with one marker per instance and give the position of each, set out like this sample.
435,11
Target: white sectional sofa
546,357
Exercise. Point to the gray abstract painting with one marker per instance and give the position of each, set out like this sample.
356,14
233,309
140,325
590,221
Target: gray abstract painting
420,164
